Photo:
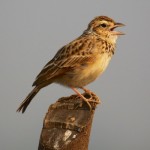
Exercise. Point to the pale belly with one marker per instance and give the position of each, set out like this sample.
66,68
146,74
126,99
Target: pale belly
84,75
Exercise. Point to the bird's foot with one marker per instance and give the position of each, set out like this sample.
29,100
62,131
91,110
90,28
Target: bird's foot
87,100
90,93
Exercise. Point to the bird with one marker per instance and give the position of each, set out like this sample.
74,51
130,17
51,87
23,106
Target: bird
81,61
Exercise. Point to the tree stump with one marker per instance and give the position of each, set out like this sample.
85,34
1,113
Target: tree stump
67,124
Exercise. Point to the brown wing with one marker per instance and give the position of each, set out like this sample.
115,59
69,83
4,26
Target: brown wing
72,55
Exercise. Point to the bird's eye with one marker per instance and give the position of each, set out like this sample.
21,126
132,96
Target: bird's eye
103,25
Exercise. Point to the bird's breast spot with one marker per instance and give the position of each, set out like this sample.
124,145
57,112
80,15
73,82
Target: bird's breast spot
84,65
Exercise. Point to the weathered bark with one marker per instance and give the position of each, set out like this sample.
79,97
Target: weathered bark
67,124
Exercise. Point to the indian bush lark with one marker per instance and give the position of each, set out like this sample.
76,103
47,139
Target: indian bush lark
81,61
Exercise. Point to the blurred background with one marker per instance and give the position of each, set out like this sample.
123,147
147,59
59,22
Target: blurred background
32,31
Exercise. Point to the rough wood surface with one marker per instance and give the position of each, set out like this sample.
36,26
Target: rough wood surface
67,124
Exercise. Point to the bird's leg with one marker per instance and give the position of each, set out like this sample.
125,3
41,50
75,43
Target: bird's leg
80,95
89,92
86,90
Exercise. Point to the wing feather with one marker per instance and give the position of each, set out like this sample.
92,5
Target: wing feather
68,57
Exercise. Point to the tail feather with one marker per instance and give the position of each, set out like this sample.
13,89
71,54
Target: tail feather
23,106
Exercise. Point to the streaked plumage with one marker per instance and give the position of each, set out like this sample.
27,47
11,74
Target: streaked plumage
81,61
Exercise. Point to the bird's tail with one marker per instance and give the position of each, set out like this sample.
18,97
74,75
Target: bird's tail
23,106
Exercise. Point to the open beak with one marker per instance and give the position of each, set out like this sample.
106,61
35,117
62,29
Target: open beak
117,32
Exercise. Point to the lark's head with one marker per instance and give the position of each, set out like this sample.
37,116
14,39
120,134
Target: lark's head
104,26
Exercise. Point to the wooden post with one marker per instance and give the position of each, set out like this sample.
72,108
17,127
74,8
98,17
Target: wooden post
67,124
